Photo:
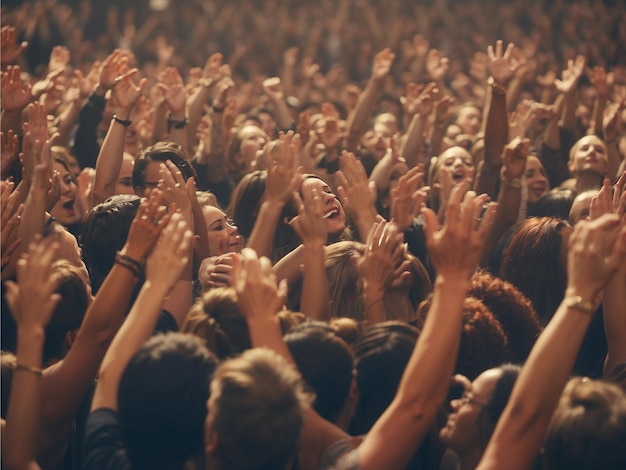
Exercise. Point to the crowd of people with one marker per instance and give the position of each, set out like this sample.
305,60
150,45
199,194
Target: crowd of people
313,235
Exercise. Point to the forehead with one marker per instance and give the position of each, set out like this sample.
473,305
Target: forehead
311,183
212,213
468,111
484,384
250,130
533,162
590,140
455,152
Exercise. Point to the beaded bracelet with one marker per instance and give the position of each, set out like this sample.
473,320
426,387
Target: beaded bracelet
35,370
132,265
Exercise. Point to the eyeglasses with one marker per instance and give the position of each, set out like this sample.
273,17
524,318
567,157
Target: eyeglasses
466,398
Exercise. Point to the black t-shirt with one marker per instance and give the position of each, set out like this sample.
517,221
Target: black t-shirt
104,447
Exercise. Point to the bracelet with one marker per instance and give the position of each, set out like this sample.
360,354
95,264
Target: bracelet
35,370
578,303
132,265
175,124
515,183
123,122
218,109
496,88
205,82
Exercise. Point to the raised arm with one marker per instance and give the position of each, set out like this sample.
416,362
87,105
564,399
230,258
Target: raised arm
274,90
283,179
357,121
163,268
32,301
590,264
455,249
310,226
111,153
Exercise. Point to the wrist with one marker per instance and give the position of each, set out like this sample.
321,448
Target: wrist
514,182
100,90
123,113
453,281
585,296
134,253
178,115
498,88
314,246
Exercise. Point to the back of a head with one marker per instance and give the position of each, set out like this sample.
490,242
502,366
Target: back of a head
162,401
161,152
382,353
514,312
326,364
256,409
588,428
104,233
556,203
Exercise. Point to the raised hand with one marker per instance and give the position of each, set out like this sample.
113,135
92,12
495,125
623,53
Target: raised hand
591,261
174,188
356,192
216,271
33,299
514,158
437,66
283,174
11,50
16,94
164,52
310,224
59,58
259,297
168,258
9,151
174,90
11,213
273,88
87,84
382,64
114,66
455,248
599,79
126,92
407,198
149,222
503,66
571,75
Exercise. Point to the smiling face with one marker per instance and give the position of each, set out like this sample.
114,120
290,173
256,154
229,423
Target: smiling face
536,179
461,432
253,139
589,155
333,210
377,140
64,210
458,162
222,234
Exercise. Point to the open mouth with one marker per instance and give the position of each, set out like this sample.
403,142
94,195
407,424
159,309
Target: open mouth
69,205
332,214
458,176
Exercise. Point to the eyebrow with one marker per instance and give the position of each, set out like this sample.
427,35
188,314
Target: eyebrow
216,221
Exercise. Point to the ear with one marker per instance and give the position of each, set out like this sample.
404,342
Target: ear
571,167
70,337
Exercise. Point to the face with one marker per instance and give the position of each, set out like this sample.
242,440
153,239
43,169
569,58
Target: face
536,179
124,183
333,210
377,140
222,234
589,156
252,139
461,432
151,178
580,207
388,120
469,120
70,251
267,123
458,162
64,210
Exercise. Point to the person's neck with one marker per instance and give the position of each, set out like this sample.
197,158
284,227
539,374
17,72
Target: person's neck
398,305
587,180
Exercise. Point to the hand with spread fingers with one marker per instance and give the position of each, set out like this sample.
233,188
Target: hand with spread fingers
216,271
174,188
407,198
283,174
455,247
310,224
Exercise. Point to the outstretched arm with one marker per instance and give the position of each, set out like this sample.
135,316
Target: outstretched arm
590,264
32,301
455,250
163,267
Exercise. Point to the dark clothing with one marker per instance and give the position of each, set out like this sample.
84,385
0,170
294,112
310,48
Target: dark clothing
104,447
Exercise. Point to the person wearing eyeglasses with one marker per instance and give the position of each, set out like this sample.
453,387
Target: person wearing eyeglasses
475,414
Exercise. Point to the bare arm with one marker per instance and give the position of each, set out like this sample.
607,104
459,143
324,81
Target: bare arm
521,428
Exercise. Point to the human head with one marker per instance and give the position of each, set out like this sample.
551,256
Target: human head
475,415
588,428
457,161
242,149
589,155
326,363
377,140
536,179
221,232
534,261
556,203
104,233
255,412
382,353
68,249
246,201
514,312
469,117
64,211
580,207
146,170
162,401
